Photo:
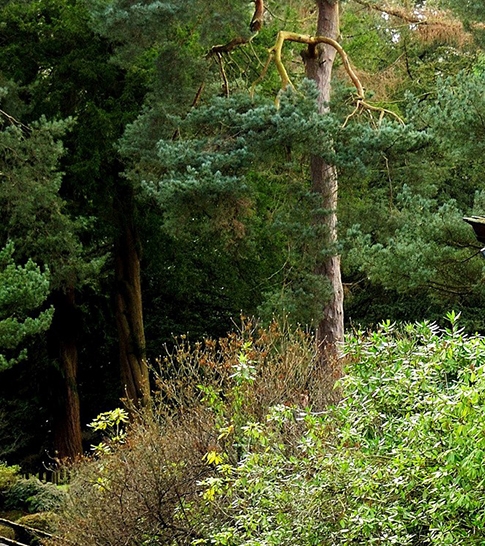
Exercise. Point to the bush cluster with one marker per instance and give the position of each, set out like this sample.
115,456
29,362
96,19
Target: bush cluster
241,449
398,461
8,476
27,494
32,495
148,488
44,521
7,532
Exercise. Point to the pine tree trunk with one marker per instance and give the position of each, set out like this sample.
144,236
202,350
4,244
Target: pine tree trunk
319,63
67,428
128,307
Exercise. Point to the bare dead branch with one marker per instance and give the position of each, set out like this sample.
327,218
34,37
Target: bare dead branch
400,13
16,122
227,48
275,53
225,81
263,73
284,36
421,17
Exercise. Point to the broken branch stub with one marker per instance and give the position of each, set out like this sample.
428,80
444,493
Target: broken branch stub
255,26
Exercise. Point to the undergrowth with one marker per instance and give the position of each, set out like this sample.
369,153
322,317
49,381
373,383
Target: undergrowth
242,447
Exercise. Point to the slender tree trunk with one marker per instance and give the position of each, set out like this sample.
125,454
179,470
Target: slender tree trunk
128,305
67,427
319,62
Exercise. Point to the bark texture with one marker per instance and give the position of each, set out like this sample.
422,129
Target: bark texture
319,63
128,307
67,424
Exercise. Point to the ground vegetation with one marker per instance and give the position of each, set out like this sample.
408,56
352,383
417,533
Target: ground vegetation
238,451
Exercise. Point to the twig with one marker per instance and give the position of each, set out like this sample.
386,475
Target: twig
255,26
223,74
14,121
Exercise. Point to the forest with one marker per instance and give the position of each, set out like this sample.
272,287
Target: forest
239,303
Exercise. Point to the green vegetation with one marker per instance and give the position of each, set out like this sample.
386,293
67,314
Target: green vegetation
162,176
26,495
31,495
21,290
7,532
240,452
8,476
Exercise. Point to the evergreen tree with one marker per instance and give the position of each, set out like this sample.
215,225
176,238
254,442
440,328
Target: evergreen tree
23,289
417,256
224,159
62,68
319,62
35,219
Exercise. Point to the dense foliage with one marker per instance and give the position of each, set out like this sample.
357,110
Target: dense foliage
161,190
157,182
22,289
397,462
247,456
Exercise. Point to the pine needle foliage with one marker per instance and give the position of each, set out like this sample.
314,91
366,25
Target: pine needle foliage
23,289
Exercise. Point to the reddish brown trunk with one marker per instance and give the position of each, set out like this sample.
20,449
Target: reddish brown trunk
129,313
319,63
67,432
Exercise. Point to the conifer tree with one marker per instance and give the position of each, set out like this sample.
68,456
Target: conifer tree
210,163
23,289
101,97
319,63
35,220
416,256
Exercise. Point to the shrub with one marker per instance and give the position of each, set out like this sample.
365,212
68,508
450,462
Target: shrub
413,427
44,521
148,488
399,461
140,489
254,368
8,476
34,496
229,455
7,532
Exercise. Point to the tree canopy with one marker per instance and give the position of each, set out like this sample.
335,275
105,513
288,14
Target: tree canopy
167,176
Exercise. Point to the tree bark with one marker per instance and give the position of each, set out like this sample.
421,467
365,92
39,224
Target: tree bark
319,62
67,425
128,306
